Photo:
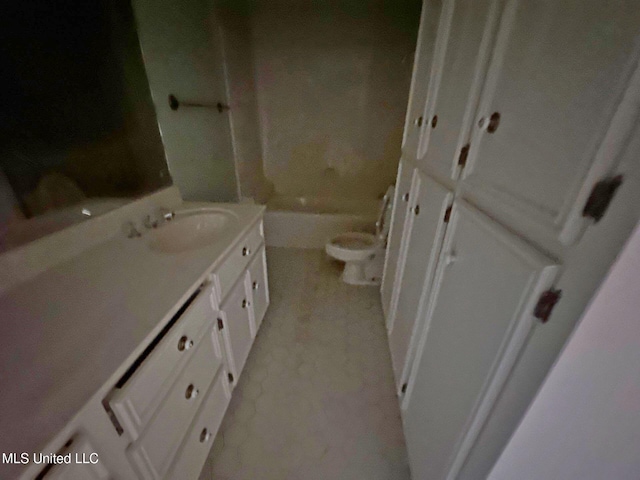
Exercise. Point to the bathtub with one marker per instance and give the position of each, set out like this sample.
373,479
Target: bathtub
308,222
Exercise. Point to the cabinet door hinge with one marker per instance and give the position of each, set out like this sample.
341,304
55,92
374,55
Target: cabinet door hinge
464,153
545,304
220,324
601,197
447,214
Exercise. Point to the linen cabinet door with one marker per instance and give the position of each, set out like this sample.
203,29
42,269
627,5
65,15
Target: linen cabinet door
237,329
488,283
415,122
464,45
428,207
396,235
558,107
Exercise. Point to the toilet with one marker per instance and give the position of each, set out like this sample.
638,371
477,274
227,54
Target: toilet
363,253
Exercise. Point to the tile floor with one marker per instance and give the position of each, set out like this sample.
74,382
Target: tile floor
316,398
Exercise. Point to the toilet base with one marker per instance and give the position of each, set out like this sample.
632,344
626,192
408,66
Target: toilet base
368,272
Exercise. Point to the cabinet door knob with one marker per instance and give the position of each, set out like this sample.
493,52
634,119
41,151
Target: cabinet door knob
245,252
205,435
450,258
434,121
246,303
405,197
416,209
191,392
255,285
184,343
494,121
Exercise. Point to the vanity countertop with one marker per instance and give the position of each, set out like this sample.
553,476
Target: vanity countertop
75,327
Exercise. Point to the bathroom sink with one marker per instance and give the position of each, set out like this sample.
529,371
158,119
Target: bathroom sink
191,230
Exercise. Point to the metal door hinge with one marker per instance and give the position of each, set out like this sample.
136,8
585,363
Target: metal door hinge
600,197
464,153
447,214
546,303
220,324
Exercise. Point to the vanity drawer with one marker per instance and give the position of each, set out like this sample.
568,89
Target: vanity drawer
235,324
259,286
198,441
154,450
136,400
236,262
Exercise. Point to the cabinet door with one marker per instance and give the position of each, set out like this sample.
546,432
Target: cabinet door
396,235
459,70
237,327
424,240
429,21
257,284
481,316
557,76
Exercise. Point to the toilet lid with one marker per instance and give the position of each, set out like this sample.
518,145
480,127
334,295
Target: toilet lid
354,241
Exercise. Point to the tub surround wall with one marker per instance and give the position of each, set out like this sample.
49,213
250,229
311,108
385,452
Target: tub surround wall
332,83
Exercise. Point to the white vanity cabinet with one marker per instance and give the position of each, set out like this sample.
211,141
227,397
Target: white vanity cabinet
528,127
172,401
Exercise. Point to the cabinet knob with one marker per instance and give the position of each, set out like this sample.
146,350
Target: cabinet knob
205,435
490,125
450,258
416,209
245,252
405,197
255,285
434,121
191,392
246,303
419,121
184,343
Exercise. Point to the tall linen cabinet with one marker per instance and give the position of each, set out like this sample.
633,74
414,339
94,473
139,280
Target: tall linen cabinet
517,187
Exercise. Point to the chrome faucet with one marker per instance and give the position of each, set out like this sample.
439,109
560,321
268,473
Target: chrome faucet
161,216
166,214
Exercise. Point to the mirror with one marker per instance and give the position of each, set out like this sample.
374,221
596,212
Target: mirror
78,129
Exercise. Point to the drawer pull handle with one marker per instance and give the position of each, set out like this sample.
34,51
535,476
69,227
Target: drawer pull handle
191,393
205,435
184,343
255,285
246,251
245,303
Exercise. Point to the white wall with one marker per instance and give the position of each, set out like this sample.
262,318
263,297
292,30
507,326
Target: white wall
182,50
584,423
332,82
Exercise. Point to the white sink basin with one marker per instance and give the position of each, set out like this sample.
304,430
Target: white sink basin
191,230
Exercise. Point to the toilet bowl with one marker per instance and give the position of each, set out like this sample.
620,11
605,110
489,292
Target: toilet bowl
363,253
